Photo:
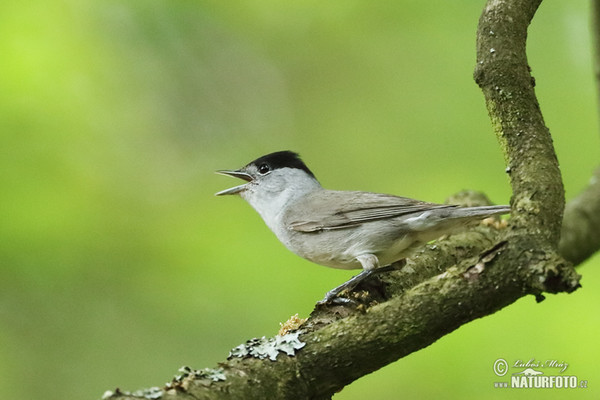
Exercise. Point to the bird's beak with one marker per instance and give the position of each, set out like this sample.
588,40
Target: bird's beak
236,189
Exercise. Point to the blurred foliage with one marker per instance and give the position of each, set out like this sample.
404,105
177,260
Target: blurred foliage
118,265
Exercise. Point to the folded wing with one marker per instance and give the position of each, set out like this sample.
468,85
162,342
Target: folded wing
351,209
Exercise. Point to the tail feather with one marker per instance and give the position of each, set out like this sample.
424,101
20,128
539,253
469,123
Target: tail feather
447,219
482,211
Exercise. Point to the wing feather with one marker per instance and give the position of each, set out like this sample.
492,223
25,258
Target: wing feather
328,209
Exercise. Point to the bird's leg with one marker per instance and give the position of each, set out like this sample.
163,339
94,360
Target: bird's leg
370,265
348,285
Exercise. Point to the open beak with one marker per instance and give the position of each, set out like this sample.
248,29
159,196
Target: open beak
236,174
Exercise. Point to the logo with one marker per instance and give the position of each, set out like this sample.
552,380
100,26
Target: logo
534,374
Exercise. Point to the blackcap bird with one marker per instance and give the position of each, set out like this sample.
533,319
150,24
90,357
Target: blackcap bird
343,229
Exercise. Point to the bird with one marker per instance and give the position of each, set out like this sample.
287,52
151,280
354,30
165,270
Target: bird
343,229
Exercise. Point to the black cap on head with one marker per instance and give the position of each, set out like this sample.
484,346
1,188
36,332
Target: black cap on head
282,159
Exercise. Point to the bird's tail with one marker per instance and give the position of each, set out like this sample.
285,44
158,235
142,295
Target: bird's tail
479,212
452,219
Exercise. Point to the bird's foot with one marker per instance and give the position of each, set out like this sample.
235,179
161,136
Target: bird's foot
332,297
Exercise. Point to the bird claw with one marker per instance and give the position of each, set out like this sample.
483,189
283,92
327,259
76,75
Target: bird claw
332,297
336,301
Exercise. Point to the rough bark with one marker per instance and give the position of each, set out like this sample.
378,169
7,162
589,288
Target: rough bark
503,74
447,284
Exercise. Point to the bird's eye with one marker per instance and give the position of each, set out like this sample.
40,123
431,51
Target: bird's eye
263,168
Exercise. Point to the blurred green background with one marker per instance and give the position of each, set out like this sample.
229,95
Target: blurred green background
117,263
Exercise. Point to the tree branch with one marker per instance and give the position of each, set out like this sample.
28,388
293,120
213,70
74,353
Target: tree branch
580,236
504,76
445,285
